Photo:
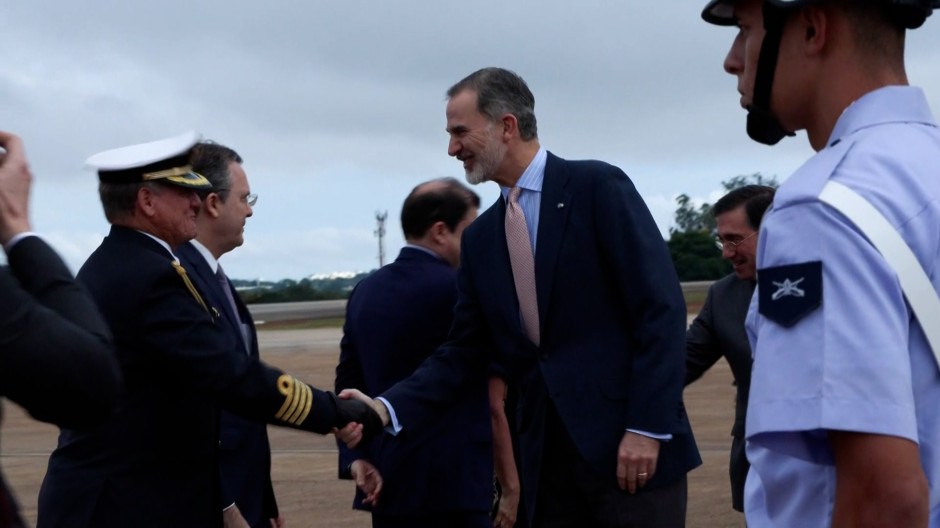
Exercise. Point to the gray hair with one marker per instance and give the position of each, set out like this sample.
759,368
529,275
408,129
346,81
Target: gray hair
500,92
120,199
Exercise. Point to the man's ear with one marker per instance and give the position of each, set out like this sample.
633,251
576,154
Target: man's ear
438,231
814,24
211,205
509,126
145,201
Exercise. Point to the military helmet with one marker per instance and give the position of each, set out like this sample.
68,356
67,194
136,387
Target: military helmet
909,13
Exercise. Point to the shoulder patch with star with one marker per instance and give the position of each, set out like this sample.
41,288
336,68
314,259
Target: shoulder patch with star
789,293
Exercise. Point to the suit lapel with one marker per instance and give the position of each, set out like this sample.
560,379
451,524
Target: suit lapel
210,282
553,216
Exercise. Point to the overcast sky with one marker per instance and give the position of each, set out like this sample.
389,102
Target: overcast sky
337,107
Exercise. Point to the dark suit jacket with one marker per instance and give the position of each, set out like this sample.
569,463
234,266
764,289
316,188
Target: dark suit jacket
56,358
155,464
612,327
395,319
718,331
244,451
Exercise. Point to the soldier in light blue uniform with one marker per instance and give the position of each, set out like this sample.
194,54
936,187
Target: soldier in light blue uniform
843,424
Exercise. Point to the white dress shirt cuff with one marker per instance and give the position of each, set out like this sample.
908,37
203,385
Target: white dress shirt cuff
663,437
393,427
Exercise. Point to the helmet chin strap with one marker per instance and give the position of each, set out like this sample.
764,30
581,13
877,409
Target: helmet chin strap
762,125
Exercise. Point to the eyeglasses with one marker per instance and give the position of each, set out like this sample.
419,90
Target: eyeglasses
250,199
731,244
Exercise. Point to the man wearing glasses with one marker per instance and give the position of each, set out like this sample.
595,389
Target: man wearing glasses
718,330
244,451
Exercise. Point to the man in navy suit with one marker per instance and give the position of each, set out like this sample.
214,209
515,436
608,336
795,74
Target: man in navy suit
441,475
244,452
593,337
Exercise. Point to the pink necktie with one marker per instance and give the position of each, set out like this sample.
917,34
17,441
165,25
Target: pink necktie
523,265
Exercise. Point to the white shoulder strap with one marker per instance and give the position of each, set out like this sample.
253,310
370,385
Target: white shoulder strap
916,286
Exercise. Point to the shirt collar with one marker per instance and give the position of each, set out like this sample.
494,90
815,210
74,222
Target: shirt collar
162,243
891,104
206,254
533,176
426,250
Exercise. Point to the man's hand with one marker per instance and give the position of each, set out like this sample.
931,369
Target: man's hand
350,434
368,479
377,406
504,463
278,523
232,518
358,410
507,509
15,180
636,461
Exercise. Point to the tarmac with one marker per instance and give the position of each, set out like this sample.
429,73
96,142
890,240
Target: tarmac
304,465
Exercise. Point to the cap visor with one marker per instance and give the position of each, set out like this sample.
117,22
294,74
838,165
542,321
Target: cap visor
189,180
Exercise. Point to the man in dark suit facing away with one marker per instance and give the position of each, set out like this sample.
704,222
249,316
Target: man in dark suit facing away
56,357
244,452
718,329
441,475
566,282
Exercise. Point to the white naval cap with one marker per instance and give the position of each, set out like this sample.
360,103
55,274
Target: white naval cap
166,160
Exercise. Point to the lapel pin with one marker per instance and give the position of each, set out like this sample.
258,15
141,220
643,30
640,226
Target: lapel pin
561,205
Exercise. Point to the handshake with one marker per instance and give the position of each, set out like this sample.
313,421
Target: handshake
358,417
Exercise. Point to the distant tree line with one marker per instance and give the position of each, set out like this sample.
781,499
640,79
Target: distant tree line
289,290
692,242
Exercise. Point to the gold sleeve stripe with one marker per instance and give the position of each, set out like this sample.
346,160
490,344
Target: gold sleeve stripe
285,385
303,401
298,398
303,415
189,285
294,401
